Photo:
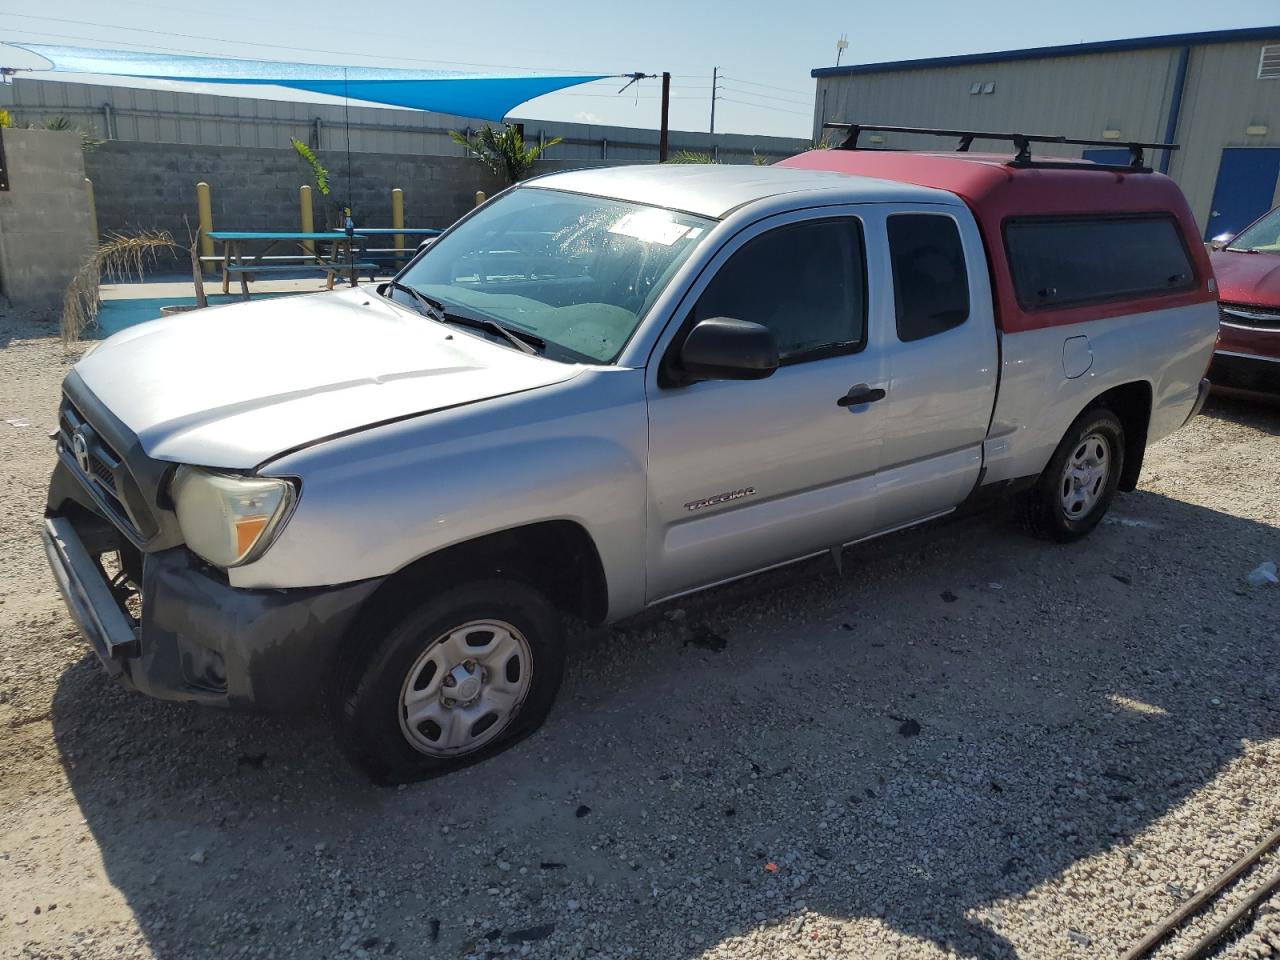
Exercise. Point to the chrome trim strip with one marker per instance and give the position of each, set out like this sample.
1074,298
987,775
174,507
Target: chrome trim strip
1250,314
1252,329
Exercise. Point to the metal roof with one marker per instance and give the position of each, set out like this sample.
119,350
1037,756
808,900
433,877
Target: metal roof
1064,50
713,189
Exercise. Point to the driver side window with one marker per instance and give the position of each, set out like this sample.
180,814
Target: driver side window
806,282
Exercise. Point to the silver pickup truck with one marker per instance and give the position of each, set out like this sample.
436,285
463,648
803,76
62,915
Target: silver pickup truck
600,390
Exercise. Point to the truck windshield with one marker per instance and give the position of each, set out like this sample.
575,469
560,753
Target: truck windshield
1262,237
577,272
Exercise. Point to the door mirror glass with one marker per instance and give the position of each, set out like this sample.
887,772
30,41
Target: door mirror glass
721,348
1221,240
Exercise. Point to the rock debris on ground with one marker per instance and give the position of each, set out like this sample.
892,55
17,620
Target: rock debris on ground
1086,735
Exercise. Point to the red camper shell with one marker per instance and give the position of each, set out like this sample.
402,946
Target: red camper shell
999,194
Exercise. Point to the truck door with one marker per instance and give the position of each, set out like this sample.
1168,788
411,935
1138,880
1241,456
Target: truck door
747,474
943,359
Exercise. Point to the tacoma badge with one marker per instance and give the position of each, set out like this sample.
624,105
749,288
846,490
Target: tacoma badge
720,498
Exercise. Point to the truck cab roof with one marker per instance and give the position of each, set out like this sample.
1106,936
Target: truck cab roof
715,190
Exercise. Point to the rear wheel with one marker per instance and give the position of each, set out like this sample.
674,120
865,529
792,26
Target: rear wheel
1080,481
459,677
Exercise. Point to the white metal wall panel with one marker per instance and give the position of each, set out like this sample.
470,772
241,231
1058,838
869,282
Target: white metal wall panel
180,117
1223,97
1129,91
1080,96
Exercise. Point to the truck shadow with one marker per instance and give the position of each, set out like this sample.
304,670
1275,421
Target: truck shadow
1255,410
955,721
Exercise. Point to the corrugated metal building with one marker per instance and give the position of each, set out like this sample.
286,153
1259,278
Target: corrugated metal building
1216,94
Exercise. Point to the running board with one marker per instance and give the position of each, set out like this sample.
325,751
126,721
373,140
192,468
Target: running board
832,551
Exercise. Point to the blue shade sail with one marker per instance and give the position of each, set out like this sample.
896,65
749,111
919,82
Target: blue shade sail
487,96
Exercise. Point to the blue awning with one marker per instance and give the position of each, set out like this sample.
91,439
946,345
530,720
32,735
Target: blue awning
487,96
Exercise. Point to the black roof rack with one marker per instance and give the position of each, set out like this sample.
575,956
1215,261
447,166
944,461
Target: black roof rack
1021,141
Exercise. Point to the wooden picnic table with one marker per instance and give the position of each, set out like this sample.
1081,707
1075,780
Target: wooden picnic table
397,254
341,258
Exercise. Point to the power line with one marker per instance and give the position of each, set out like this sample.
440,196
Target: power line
765,96
624,97
278,46
245,43
767,86
764,106
143,47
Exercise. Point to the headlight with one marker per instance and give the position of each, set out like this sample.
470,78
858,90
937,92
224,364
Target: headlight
226,519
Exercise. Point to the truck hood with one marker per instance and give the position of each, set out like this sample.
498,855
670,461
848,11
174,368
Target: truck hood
235,386
1247,277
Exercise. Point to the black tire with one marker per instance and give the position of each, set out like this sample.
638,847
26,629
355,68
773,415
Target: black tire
1043,510
369,681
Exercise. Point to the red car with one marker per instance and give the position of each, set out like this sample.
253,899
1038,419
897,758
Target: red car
1247,356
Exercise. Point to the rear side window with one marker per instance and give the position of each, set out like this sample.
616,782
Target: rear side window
930,285
1072,260
806,282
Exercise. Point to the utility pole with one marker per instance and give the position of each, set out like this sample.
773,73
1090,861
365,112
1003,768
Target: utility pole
714,72
666,110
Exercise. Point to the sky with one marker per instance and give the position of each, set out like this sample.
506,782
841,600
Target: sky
764,51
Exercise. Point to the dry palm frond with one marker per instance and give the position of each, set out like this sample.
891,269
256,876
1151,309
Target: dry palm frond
118,257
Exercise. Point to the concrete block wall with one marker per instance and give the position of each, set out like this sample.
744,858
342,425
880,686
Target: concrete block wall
151,186
45,231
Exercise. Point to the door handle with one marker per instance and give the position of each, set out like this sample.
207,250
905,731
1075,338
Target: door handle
861,393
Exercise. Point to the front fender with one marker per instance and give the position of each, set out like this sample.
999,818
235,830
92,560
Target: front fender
376,501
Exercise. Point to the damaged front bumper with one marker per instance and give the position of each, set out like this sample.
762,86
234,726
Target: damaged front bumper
198,638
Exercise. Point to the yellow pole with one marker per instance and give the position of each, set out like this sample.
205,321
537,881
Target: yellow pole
93,211
306,218
205,207
397,217
479,197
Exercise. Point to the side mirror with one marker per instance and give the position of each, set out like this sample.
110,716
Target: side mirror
722,348
1221,240
426,243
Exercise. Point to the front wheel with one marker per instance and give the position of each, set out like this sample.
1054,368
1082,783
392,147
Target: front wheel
458,678
1078,485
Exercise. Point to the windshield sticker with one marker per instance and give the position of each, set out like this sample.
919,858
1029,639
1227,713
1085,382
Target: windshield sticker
650,226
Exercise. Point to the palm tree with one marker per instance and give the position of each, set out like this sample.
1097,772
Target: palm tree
504,153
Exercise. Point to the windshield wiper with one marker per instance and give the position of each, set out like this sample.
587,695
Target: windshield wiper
432,309
528,342
525,342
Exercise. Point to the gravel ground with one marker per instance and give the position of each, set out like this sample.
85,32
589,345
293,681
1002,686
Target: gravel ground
973,744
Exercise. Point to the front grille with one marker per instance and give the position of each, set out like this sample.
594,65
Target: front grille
1248,315
105,473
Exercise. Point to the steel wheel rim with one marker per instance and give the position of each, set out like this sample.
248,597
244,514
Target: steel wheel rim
1084,478
465,688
